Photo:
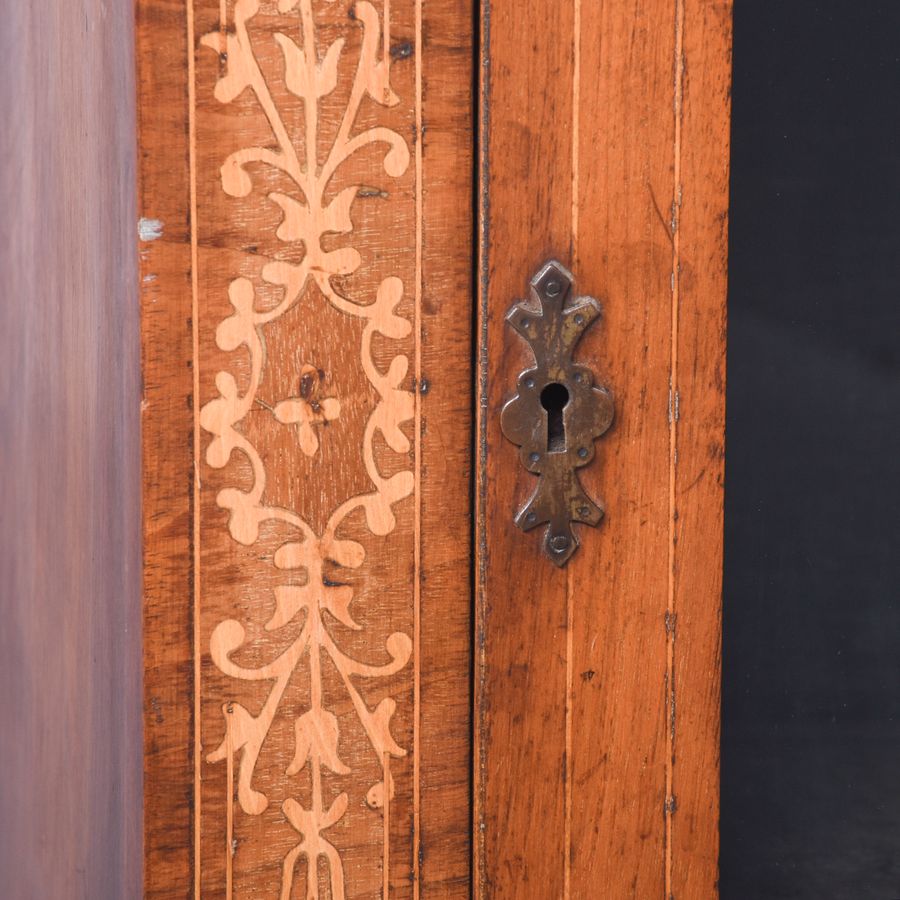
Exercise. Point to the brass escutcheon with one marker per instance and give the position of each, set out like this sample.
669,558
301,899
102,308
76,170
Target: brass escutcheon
558,411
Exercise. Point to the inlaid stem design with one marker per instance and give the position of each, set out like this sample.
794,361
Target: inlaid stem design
311,74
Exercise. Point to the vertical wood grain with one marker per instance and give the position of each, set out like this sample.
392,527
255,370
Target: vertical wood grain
620,580
70,639
168,461
446,67
597,688
526,184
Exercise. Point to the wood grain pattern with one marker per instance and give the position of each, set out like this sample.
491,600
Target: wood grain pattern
307,285
526,210
167,437
70,652
597,687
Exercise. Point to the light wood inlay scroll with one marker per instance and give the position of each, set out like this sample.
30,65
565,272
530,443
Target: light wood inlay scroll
318,602
308,602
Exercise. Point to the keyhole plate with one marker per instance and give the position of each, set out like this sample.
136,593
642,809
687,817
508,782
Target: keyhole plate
558,411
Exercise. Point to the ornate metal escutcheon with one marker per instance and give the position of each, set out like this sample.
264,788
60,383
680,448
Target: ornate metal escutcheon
558,411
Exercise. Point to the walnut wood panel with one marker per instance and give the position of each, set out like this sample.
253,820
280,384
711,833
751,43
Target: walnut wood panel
305,180
70,646
597,686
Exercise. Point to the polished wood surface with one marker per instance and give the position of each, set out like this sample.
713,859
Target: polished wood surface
597,686
305,182
70,635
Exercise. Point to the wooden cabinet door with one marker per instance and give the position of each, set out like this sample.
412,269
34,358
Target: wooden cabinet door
604,144
361,678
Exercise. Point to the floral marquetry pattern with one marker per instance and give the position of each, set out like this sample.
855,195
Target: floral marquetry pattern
322,248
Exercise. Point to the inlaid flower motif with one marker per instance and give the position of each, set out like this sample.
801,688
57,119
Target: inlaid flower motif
307,411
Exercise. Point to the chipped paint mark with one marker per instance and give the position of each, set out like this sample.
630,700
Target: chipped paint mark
402,51
149,278
673,412
149,229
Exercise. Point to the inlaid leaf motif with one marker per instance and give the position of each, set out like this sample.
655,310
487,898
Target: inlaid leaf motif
218,417
240,62
377,74
243,729
297,73
299,221
238,328
316,734
381,721
290,599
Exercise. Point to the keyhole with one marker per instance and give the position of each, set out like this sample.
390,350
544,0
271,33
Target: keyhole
554,398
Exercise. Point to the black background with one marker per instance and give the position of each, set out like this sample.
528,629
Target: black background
811,696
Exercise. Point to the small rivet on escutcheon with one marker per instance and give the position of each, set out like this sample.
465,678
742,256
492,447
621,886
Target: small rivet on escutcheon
559,543
582,452
553,288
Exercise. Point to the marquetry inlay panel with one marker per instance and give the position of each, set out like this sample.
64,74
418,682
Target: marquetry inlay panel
301,596
307,348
